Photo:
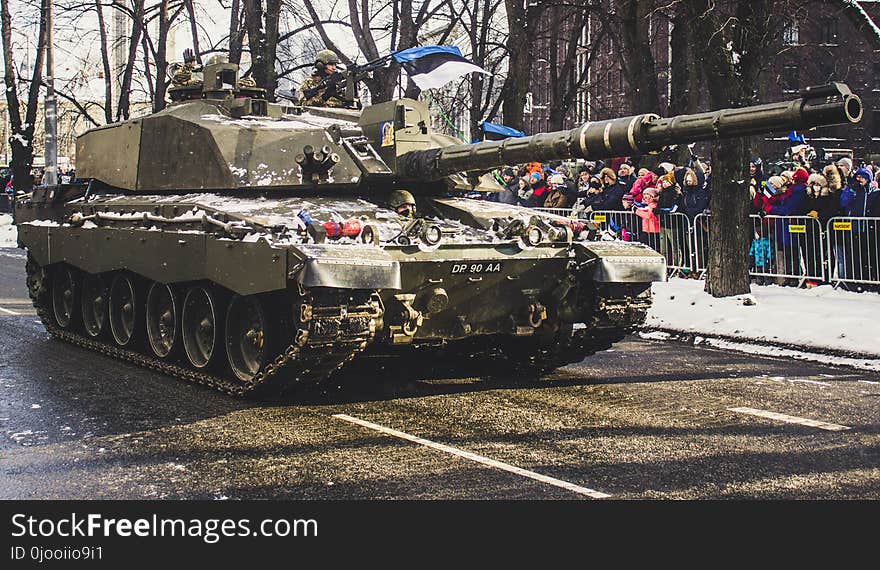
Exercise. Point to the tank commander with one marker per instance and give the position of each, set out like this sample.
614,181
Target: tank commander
189,72
326,86
403,203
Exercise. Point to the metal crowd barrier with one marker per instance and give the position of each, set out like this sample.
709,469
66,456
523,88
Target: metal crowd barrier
565,212
782,248
787,247
673,239
853,255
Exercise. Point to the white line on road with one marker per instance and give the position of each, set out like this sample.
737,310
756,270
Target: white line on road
790,419
8,312
474,457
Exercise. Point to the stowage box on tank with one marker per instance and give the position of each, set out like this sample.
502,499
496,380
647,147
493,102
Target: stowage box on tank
243,245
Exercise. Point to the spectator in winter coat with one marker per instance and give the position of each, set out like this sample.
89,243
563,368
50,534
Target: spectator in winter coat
756,176
860,197
792,203
761,254
523,191
669,202
557,195
822,203
845,166
539,190
625,175
511,184
695,199
650,222
649,180
593,197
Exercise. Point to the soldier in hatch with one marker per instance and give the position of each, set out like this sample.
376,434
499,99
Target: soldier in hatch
403,203
326,86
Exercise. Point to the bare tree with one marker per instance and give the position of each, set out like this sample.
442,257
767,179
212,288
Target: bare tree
735,39
522,18
22,132
137,25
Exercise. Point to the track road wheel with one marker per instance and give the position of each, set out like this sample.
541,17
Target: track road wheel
95,299
200,327
126,313
65,304
250,338
163,320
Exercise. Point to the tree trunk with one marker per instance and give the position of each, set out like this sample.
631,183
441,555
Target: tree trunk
730,235
638,61
162,59
22,137
516,85
732,55
236,32
105,62
685,75
137,23
194,30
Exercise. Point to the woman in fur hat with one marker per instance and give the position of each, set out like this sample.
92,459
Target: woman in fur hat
834,177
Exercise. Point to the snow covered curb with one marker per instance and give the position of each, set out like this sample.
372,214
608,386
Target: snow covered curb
824,324
8,232
763,348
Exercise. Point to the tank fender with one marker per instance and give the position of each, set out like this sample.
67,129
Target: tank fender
621,262
343,266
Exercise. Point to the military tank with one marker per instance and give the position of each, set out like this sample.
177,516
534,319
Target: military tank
250,246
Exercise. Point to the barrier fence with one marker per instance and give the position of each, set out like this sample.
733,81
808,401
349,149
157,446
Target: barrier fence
783,249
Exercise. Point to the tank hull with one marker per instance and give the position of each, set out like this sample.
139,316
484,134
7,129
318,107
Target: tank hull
474,291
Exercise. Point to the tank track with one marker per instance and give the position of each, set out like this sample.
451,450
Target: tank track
335,335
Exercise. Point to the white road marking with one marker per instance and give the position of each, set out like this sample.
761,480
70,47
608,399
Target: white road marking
8,312
476,458
790,419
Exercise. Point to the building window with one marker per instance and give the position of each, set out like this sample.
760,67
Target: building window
829,31
527,108
790,80
790,35
876,76
620,81
876,128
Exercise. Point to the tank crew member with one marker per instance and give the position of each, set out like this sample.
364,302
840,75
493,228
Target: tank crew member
324,88
402,202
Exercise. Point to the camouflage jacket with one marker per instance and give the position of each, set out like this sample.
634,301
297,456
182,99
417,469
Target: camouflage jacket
329,96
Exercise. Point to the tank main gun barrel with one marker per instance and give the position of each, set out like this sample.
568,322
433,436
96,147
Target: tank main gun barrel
818,106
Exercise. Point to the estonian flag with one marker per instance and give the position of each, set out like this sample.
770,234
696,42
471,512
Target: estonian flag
435,66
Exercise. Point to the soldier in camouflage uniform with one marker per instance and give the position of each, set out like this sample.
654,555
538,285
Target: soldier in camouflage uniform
330,95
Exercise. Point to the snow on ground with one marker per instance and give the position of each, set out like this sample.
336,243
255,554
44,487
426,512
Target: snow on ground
8,232
820,318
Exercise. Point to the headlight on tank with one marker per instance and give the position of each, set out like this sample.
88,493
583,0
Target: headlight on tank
533,236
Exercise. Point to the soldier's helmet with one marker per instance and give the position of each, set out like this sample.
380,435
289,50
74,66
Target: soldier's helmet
400,198
326,57
217,58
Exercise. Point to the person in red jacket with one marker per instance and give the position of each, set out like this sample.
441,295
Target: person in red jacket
650,221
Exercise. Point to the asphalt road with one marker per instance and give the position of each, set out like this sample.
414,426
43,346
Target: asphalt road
646,420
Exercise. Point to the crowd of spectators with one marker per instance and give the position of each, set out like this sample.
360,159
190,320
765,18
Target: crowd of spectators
801,186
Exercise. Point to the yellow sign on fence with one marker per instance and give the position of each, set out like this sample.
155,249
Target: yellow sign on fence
842,226
797,229
599,218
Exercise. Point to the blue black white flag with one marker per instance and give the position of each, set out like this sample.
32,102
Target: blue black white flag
435,66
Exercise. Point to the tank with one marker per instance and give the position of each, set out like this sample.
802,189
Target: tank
250,247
